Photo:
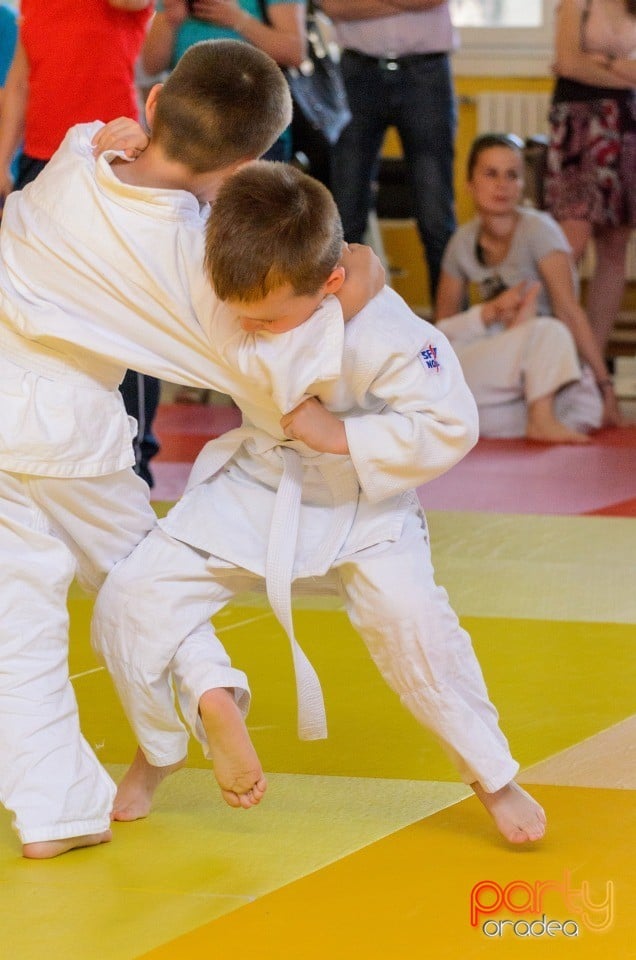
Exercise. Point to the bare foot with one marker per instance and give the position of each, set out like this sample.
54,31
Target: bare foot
543,426
236,765
133,799
47,849
559,433
519,818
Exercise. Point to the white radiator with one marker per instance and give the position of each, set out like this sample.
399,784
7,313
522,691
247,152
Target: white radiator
526,114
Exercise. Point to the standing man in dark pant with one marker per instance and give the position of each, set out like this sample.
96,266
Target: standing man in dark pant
396,67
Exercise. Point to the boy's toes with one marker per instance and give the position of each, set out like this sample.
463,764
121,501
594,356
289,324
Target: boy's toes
231,798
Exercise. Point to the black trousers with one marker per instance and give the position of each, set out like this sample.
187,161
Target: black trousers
141,399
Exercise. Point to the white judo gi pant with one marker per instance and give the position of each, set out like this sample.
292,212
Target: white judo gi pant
510,369
152,617
50,531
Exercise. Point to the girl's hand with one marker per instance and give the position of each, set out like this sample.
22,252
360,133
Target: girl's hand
122,134
504,307
528,306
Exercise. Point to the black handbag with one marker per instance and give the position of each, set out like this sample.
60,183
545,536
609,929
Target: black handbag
316,86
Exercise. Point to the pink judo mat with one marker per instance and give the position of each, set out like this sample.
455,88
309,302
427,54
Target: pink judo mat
498,476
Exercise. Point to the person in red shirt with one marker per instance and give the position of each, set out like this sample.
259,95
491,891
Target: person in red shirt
75,63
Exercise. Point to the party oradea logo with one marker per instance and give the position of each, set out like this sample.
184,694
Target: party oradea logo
544,909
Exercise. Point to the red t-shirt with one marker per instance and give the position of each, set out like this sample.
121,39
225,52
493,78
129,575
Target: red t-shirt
81,57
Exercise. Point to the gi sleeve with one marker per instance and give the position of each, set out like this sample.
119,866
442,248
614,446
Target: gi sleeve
428,422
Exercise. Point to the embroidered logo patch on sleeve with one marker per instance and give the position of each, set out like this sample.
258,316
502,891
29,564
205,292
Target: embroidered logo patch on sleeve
428,356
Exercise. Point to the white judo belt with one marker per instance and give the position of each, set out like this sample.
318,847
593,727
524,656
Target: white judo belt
281,550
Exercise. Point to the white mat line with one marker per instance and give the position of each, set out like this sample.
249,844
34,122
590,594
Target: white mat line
604,759
244,623
86,673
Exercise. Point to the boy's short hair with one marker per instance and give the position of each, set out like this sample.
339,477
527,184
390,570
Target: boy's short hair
271,225
225,101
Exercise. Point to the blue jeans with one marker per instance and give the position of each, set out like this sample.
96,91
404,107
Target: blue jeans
418,100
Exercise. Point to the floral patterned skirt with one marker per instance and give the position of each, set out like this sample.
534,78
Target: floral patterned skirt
592,162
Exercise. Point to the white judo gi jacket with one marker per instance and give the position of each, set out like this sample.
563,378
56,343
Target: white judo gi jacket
284,511
97,276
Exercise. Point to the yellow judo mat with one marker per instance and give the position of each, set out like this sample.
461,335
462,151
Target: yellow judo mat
366,844
443,889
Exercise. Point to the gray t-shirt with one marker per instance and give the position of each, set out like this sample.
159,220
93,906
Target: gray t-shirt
536,236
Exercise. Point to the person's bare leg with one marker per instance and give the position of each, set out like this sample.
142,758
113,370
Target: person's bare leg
236,765
578,234
519,818
135,793
607,285
544,427
47,849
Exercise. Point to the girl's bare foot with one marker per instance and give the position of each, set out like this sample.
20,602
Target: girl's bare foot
47,849
556,433
518,816
133,799
543,426
236,765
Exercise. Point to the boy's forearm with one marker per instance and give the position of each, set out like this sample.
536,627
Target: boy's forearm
316,427
364,278
336,439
